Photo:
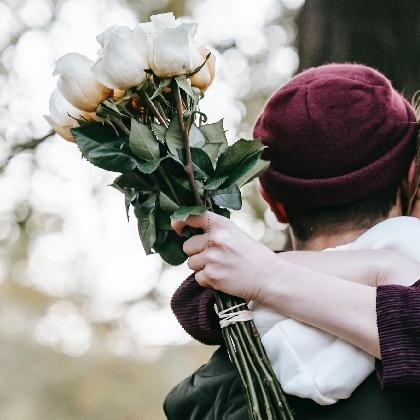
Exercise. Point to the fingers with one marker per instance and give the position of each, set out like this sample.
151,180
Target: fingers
195,244
196,262
178,226
202,279
204,222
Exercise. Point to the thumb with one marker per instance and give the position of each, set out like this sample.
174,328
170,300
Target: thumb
178,226
202,222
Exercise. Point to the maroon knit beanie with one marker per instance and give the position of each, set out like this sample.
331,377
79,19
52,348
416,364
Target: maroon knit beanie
335,134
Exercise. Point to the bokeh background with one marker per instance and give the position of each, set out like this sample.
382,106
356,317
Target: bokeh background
86,330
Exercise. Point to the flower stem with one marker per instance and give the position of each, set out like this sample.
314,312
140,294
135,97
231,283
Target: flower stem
185,136
250,334
152,108
250,362
247,366
276,391
235,357
170,186
161,111
121,125
246,340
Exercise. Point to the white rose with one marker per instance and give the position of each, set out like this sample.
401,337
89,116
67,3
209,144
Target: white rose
164,21
63,115
159,22
204,77
123,57
78,84
172,48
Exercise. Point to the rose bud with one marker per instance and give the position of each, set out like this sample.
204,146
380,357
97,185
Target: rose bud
118,94
77,83
205,76
63,115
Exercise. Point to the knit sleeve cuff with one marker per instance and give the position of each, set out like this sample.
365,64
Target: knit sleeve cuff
193,306
398,321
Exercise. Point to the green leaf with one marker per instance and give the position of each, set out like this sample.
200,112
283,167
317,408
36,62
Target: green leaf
109,107
258,168
117,187
189,231
229,197
215,138
196,137
163,83
214,132
222,211
174,138
203,168
142,141
163,221
129,195
241,171
213,150
149,167
135,180
167,204
183,212
101,146
128,199
159,131
169,247
146,216
234,156
184,84
182,188
215,183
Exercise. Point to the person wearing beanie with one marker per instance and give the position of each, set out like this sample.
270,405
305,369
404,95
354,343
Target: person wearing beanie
341,144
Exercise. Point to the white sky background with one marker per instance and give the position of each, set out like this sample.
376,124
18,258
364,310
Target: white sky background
97,254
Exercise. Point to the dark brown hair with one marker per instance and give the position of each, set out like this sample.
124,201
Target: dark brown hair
362,214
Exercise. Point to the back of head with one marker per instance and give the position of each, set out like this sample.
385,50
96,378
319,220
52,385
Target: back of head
340,140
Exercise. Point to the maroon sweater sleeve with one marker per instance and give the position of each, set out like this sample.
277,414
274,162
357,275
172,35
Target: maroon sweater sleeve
398,319
193,306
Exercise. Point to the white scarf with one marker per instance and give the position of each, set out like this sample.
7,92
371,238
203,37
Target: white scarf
313,364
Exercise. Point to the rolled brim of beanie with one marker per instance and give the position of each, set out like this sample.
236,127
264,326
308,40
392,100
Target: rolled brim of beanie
354,186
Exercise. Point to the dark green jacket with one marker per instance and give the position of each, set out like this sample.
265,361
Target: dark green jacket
214,392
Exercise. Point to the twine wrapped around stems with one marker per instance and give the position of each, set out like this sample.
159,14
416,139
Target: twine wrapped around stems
265,397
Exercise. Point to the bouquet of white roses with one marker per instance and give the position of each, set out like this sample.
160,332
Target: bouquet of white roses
135,110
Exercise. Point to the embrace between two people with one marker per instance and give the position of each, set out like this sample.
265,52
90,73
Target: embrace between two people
342,147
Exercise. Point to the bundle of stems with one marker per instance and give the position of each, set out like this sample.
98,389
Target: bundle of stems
265,398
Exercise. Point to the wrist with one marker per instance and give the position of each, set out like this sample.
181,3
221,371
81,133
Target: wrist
271,284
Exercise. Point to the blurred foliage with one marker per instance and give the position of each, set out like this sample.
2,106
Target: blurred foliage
53,386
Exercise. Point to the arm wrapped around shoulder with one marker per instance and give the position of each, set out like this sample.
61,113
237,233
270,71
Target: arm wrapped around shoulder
193,306
398,319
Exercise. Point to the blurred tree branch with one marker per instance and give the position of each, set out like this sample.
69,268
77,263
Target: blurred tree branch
29,145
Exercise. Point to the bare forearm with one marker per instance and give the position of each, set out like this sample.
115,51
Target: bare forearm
349,265
340,307
369,267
